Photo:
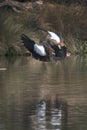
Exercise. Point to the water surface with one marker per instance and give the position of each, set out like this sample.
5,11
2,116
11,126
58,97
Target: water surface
26,82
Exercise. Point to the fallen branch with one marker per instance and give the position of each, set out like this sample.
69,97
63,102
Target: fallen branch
21,6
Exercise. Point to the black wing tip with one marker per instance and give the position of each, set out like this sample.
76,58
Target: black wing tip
23,36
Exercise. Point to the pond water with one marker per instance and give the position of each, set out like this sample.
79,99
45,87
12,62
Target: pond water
36,95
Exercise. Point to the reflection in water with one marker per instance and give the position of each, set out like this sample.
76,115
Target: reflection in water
41,115
41,109
56,115
39,119
47,117
26,81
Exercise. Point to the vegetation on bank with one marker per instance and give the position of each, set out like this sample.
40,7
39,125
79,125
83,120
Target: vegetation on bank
70,20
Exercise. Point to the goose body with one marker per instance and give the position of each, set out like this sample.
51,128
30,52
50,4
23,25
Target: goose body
37,51
43,52
33,47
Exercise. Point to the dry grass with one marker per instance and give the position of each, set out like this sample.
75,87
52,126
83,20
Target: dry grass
13,25
70,21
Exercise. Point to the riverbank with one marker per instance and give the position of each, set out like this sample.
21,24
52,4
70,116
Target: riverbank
70,21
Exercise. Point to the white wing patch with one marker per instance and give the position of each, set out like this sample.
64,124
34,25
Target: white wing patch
39,49
54,36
